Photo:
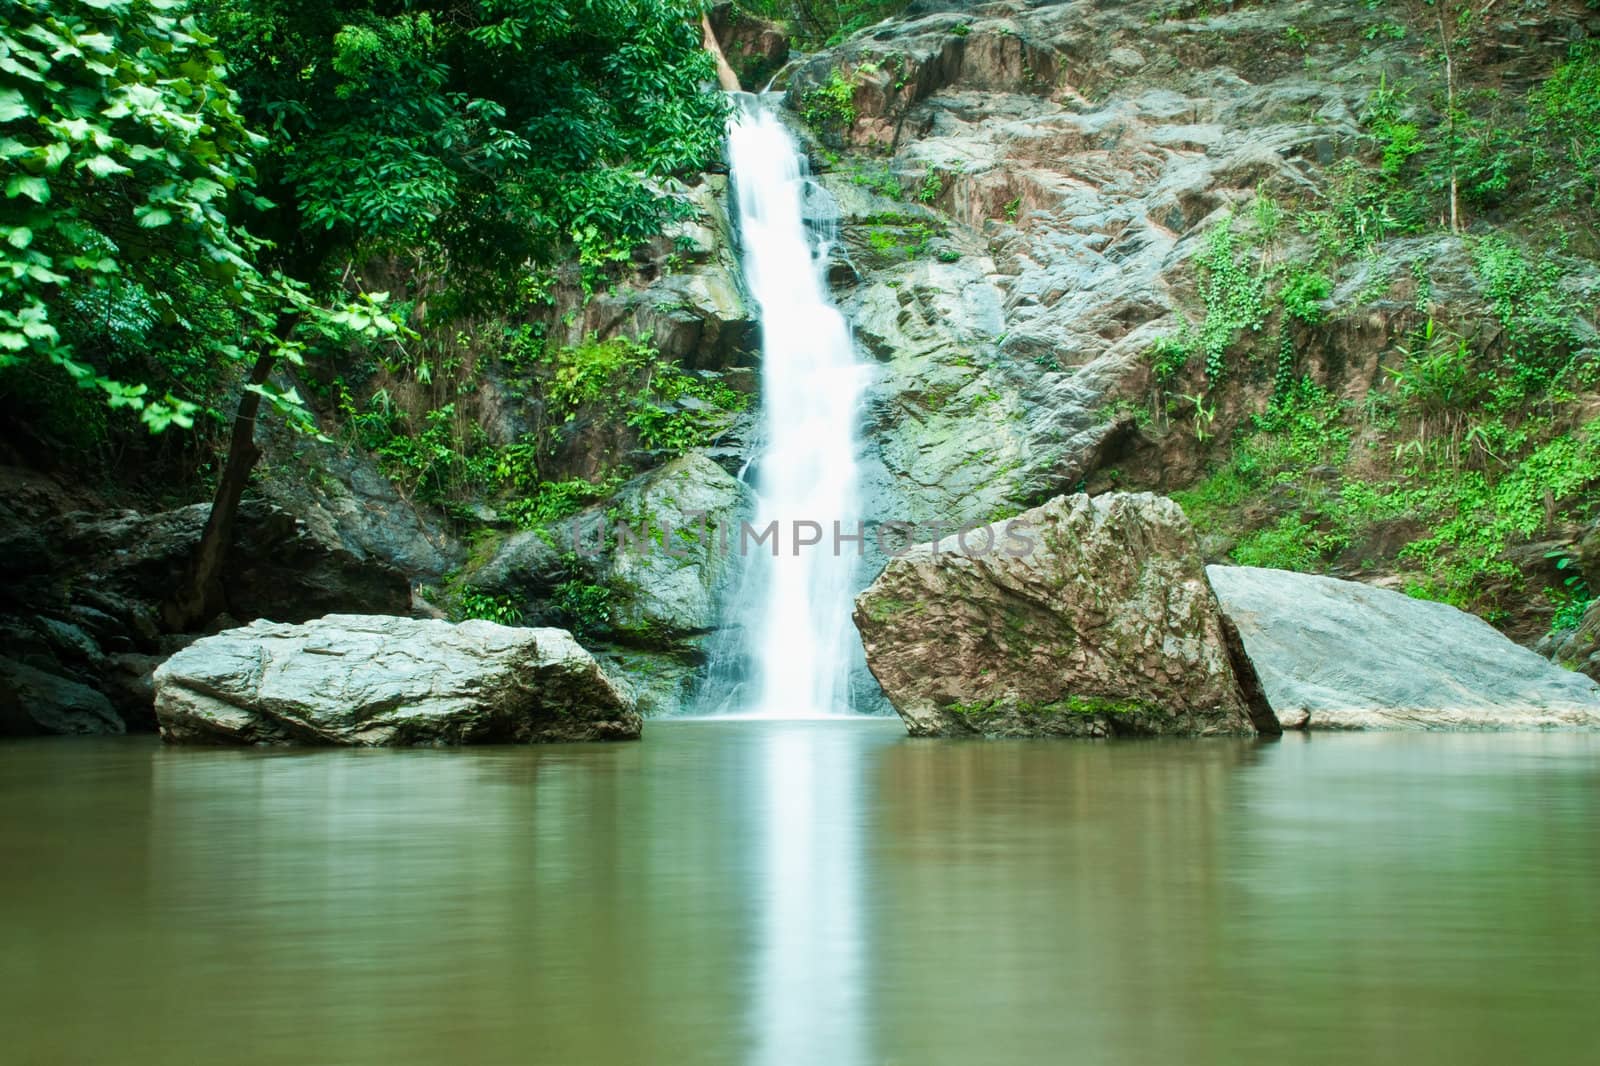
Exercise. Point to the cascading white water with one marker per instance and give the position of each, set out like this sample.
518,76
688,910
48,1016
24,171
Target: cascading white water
797,625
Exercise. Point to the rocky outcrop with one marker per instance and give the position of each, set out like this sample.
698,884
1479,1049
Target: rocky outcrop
647,599
1577,649
81,593
34,702
1024,192
1085,617
1342,655
695,310
344,500
279,567
364,680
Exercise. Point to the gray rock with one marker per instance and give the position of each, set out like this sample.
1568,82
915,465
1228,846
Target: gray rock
677,592
33,702
661,588
1579,648
344,500
660,604
279,566
1104,626
369,680
1342,655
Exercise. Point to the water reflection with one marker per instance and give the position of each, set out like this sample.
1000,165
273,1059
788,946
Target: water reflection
1051,896
811,971
738,893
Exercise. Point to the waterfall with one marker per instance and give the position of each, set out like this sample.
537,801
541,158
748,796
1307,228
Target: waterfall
794,614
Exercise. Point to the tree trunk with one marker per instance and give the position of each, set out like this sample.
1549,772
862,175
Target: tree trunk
199,597
1450,109
725,75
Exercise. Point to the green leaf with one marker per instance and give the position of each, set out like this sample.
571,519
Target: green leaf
152,217
13,105
45,274
103,166
35,189
19,237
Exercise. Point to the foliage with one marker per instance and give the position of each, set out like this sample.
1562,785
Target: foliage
1572,598
1299,452
1398,139
580,605
1567,114
592,372
1234,295
1436,385
1170,355
475,603
1530,304
829,108
1291,544
1302,296
880,180
626,380
817,24
487,135
893,237
124,155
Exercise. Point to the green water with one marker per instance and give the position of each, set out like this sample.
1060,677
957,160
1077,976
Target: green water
798,893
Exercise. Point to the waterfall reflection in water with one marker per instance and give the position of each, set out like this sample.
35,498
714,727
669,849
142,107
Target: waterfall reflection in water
744,894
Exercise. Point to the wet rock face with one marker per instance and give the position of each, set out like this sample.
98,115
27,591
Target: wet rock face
1050,170
659,595
371,681
279,567
34,702
345,500
81,594
1342,655
1092,617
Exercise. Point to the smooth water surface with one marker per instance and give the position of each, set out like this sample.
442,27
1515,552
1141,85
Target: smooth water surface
804,892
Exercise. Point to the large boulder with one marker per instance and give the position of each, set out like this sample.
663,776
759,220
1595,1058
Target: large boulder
371,680
1342,655
1100,623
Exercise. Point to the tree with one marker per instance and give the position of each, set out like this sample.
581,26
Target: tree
123,154
482,136
478,138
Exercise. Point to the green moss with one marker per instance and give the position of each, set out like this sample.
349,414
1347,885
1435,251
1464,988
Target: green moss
1098,705
1084,705
884,608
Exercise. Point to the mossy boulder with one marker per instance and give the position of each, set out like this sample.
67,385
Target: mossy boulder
1084,617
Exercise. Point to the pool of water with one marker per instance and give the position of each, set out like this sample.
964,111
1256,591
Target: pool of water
809,892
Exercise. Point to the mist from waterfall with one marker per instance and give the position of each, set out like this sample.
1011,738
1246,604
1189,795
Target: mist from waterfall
793,613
